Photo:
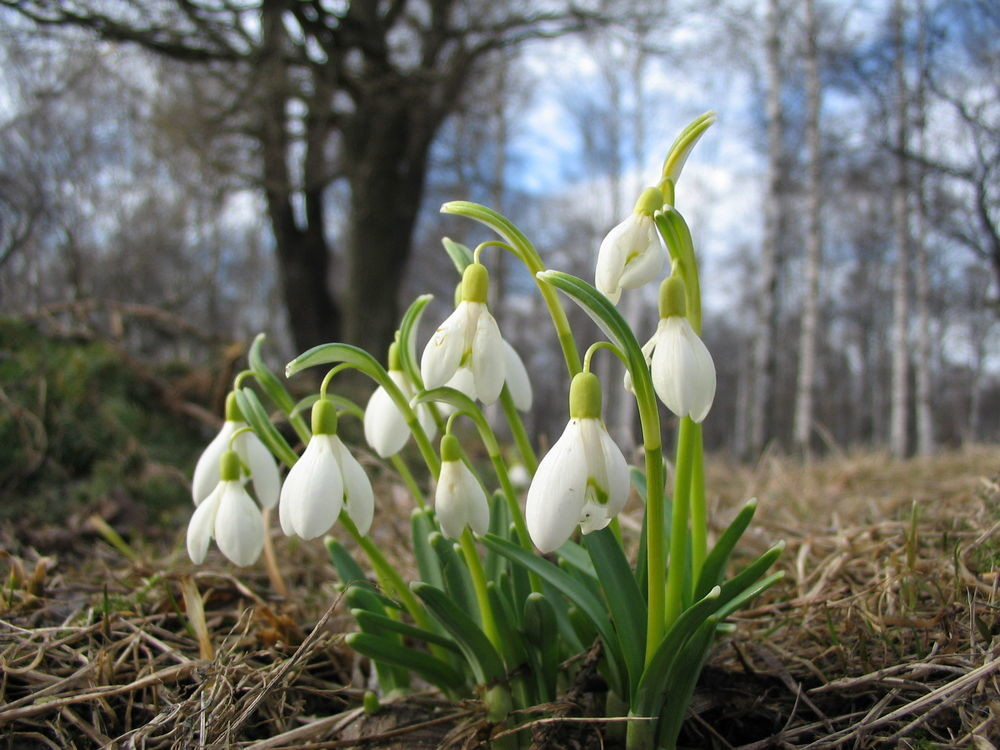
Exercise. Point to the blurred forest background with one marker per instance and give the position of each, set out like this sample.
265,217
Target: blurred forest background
178,175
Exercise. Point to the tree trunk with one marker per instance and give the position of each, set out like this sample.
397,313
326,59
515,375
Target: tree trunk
385,161
763,354
899,401
925,415
300,242
804,409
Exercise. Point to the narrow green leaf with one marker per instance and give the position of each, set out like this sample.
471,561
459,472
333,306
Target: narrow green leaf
684,144
257,417
748,594
346,566
460,255
408,338
364,595
539,624
512,647
457,581
656,679
372,622
627,605
421,527
431,669
577,556
590,607
267,379
742,581
685,677
715,563
500,522
479,652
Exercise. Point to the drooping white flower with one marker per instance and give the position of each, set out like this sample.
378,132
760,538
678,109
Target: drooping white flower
325,480
631,254
583,479
230,516
385,427
518,382
470,337
459,499
264,472
680,364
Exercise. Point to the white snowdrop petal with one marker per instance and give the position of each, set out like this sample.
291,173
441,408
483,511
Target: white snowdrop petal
617,472
319,489
206,471
645,255
705,379
202,526
459,501
557,492
239,527
444,351
264,471
488,358
385,427
611,261
518,382
359,499
665,368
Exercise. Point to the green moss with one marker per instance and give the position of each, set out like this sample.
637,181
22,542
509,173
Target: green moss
76,425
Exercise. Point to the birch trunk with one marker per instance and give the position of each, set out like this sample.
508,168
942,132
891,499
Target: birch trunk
804,409
898,416
763,354
925,415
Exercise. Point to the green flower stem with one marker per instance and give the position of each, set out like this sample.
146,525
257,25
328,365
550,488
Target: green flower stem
478,575
528,255
699,516
411,484
514,508
649,418
679,521
518,432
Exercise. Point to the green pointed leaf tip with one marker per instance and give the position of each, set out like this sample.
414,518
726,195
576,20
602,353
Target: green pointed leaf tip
684,144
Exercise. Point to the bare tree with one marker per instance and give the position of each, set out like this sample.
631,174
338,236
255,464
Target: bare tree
804,409
324,92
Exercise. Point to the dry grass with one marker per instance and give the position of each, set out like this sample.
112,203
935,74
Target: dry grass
884,632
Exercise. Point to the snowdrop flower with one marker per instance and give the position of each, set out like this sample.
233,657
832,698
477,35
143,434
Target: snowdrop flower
230,516
680,364
583,479
468,337
263,468
325,480
631,254
385,426
459,499
517,382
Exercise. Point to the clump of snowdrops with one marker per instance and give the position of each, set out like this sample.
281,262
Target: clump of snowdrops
490,617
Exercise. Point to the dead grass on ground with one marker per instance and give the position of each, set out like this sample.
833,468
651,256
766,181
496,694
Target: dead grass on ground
884,632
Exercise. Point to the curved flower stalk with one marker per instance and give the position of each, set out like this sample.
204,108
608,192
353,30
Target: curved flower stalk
325,480
230,516
583,479
468,337
459,499
264,474
681,366
385,425
631,254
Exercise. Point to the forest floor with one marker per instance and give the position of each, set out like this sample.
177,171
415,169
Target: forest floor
885,631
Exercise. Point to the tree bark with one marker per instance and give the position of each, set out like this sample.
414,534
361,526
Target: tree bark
804,409
899,401
763,353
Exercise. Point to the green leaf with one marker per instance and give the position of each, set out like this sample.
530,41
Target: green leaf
457,581
257,417
364,595
494,564
372,622
460,255
421,527
684,144
715,563
346,566
656,680
589,606
750,593
687,669
539,624
408,338
267,379
577,556
628,608
735,586
479,652
430,668
512,647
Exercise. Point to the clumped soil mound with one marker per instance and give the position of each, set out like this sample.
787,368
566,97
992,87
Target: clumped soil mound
884,632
